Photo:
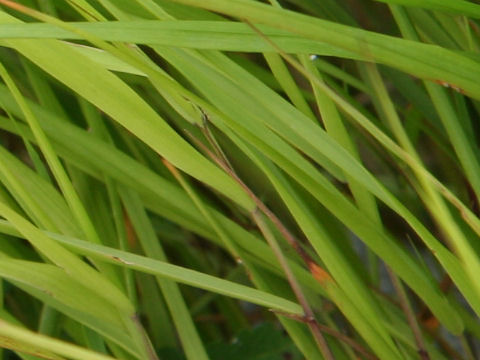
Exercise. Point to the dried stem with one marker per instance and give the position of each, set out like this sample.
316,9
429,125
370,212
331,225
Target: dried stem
309,316
411,319
337,334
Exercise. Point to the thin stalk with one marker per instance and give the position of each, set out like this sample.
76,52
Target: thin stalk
349,341
262,225
309,316
278,224
308,313
407,309
212,141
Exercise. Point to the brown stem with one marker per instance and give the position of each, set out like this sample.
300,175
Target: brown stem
211,139
309,316
308,312
411,319
275,220
337,334
349,341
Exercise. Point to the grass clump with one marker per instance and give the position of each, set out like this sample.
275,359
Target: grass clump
212,179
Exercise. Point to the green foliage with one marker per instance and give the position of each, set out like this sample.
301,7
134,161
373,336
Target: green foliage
213,179
263,342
